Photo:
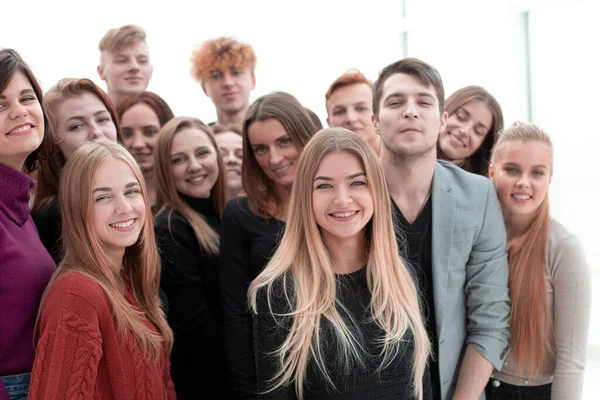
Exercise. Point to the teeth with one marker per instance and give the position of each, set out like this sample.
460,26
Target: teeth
455,140
521,196
282,168
196,179
123,224
344,215
19,130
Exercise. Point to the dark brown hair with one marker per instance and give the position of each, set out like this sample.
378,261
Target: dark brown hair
424,72
479,161
53,160
11,63
286,109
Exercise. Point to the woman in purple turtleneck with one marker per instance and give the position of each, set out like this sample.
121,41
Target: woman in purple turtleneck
25,265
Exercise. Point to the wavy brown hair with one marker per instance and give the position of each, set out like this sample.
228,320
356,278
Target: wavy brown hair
53,160
168,196
285,108
529,318
84,253
479,161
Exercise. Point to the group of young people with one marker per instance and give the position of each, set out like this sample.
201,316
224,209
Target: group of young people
406,251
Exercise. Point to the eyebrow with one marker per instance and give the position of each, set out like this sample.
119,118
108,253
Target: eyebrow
518,165
107,189
183,152
82,117
326,178
402,95
286,136
24,91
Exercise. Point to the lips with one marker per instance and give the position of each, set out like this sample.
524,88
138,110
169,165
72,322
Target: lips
521,197
282,169
21,129
456,141
229,95
123,224
196,180
410,129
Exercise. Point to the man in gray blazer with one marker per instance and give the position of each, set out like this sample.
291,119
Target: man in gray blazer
450,228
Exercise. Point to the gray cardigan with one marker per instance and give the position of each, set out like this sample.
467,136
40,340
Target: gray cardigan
568,282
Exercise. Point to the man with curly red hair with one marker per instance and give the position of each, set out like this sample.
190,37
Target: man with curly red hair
225,69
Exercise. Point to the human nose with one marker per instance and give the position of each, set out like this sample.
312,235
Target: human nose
95,132
342,198
351,116
523,181
18,111
194,165
138,142
227,79
410,111
123,206
275,156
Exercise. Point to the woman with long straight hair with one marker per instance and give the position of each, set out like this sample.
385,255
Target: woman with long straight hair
336,310
141,117
25,265
276,129
101,333
192,187
549,281
474,122
79,111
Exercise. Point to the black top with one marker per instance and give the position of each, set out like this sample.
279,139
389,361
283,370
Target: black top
49,227
414,242
394,381
247,243
189,279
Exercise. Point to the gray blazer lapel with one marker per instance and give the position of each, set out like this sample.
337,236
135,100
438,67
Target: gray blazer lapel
443,214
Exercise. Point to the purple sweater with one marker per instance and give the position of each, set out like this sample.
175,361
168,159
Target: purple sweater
25,269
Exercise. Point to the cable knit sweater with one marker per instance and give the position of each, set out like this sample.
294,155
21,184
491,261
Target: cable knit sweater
80,355
25,269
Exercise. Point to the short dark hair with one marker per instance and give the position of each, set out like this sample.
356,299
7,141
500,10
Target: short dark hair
152,100
424,72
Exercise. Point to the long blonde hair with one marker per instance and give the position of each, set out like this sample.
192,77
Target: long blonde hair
303,258
84,252
168,196
529,318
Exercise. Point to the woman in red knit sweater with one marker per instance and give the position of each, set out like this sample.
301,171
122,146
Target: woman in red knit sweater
101,333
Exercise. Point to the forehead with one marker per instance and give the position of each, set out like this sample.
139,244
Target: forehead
228,139
340,164
189,139
80,105
138,48
357,92
114,172
265,132
17,83
139,111
526,153
406,85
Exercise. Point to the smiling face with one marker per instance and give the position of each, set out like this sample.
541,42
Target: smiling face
194,164
274,151
118,207
342,201
230,145
140,127
465,130
83,119
409,120
21,121
522,172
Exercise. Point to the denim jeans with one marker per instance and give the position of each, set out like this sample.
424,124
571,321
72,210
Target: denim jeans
17,386
496,390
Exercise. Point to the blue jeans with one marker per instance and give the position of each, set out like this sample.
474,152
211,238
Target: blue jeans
17,386
496,390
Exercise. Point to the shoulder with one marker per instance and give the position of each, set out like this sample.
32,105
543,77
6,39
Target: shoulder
78,285
564,249
460,180
169,219
238,205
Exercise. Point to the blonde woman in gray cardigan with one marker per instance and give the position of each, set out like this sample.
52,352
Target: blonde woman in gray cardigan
549,277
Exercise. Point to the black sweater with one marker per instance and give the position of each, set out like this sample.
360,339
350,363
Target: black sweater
247,243
189,280
364,382
48,223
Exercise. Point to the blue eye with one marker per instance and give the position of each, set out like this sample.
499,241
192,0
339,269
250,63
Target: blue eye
132,191
103,197
324,186
358,183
